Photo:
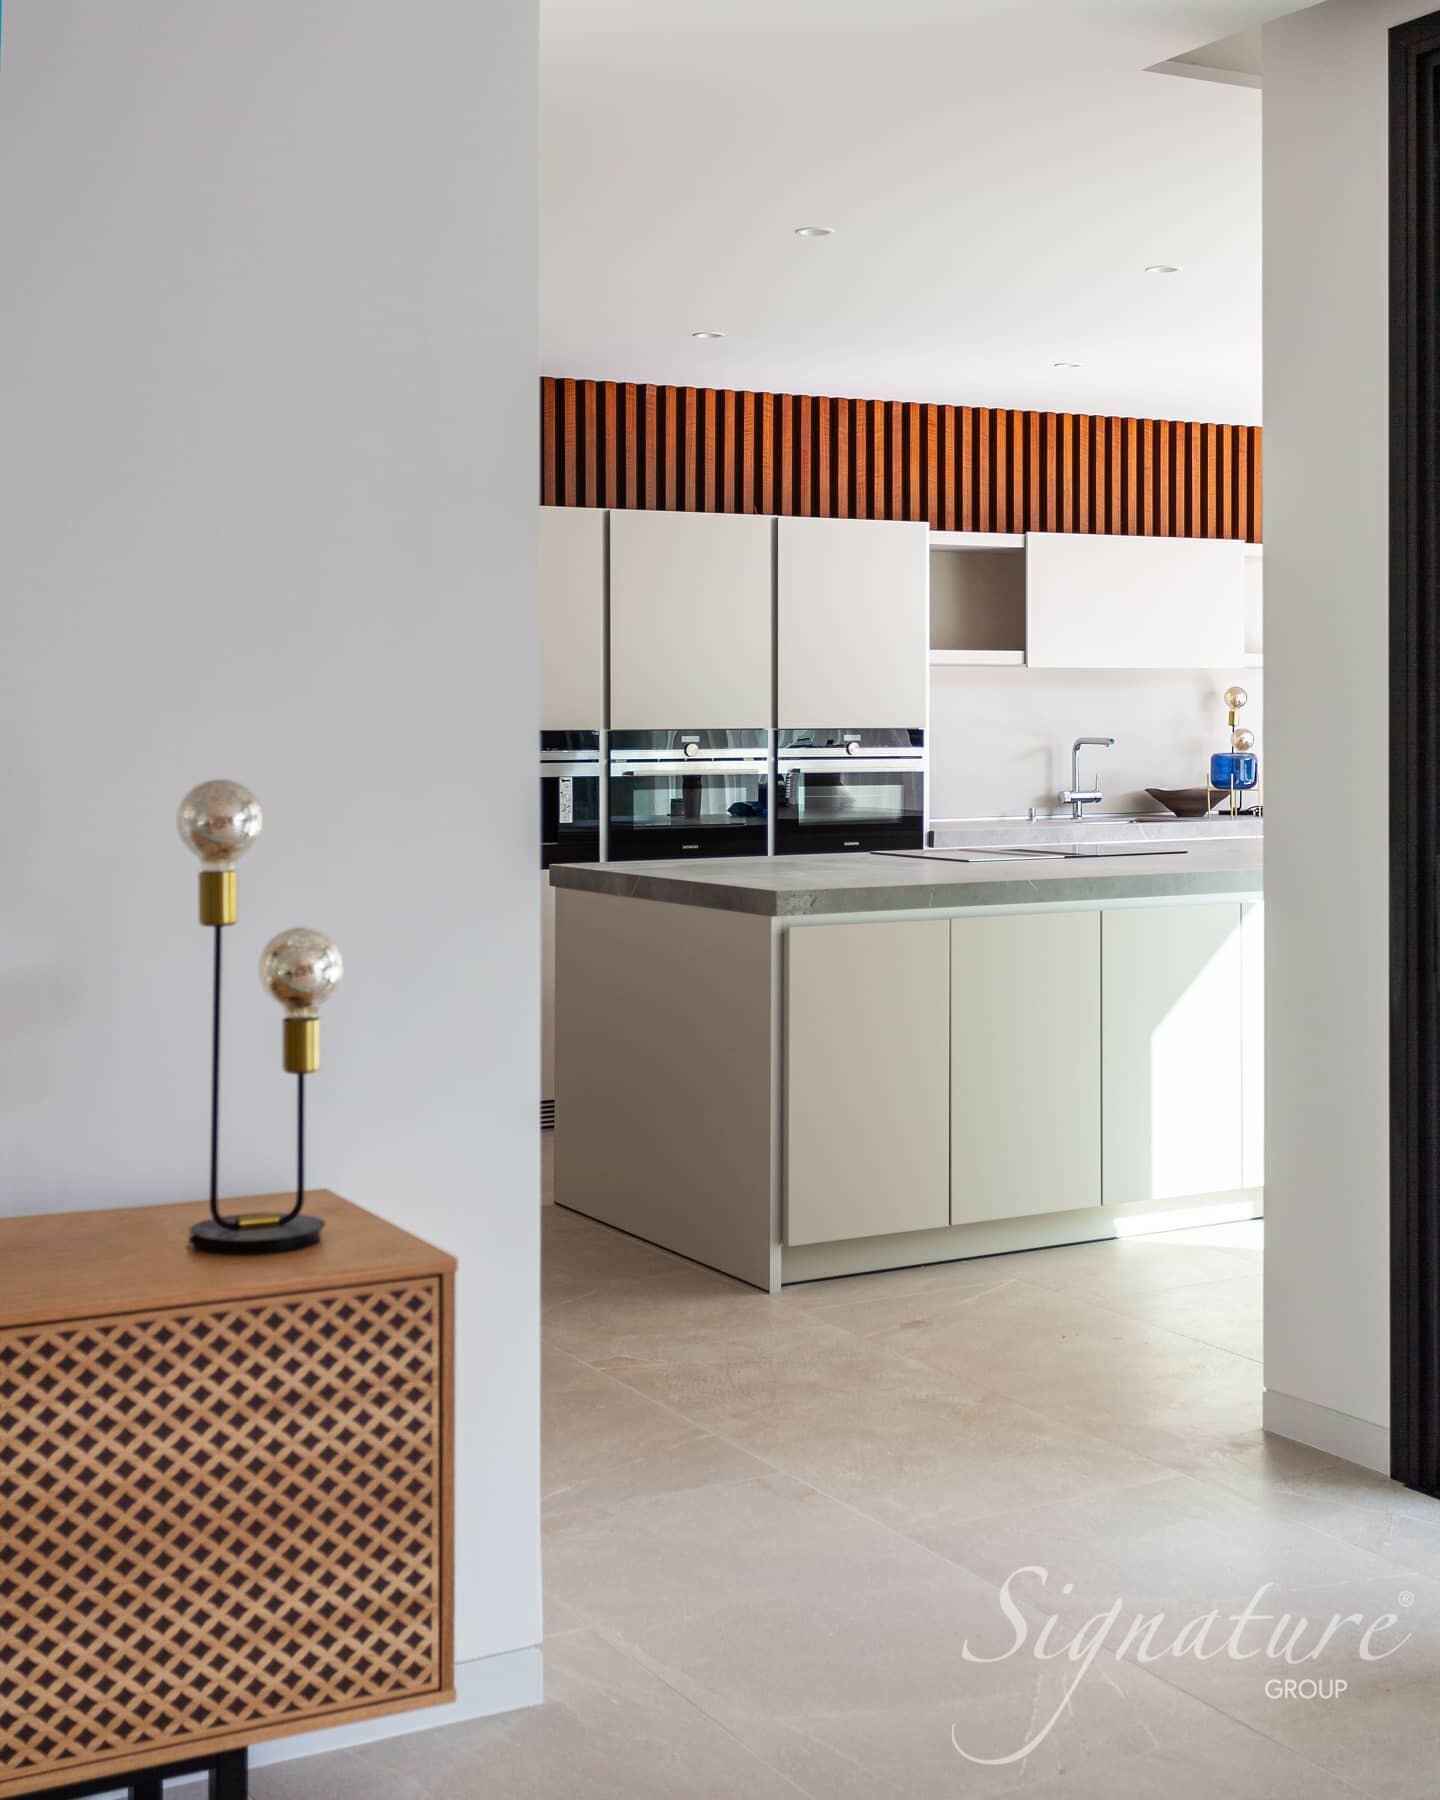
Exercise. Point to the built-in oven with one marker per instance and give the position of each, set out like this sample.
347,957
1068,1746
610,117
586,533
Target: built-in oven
569,797
839,789
688,793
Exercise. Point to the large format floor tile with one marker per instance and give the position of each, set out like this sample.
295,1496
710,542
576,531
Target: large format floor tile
782,1537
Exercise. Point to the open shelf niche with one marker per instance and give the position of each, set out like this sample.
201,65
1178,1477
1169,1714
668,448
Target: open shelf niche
977,598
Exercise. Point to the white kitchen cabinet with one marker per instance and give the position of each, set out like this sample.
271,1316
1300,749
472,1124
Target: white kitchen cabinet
1025,1064
867,1079
852,622
572,618
690,621
1097,602
1172,992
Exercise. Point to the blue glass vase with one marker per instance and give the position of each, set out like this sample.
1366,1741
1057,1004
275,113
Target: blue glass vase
1234,768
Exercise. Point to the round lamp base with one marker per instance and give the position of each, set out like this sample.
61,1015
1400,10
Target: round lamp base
256,1240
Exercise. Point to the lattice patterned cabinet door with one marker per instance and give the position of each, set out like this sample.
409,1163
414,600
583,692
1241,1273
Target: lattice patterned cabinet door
219,1523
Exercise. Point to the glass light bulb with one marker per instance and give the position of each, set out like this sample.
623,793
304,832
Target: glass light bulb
301,968
1235,698
219,821
1241,739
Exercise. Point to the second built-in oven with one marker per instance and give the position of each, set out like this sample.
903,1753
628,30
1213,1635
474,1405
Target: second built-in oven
688,793
841,789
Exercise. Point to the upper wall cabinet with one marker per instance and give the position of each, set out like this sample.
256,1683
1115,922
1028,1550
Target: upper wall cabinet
852,630
572,618
1134,602
690,621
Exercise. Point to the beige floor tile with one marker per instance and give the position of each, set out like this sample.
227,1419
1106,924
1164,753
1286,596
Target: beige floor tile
1175,1545
906,1450
811,1372
1227,1759
608,1727
1126,1267
1228,1315
578,1256
343,1775
603,1444
889,1284
690,1316
1368,1511
835,1649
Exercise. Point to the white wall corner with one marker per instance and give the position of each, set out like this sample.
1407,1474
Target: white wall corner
1322,1428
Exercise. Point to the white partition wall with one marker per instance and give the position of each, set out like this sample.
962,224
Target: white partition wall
1327,572
267,352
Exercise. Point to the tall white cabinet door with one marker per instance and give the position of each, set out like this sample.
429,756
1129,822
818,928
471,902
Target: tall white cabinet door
690,621
1095,602
572,618
867,1079
1024,1065
852,622
1172,998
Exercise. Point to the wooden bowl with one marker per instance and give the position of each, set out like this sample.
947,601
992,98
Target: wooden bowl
1188,803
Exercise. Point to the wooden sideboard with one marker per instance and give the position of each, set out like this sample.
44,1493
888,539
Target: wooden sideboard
225,1488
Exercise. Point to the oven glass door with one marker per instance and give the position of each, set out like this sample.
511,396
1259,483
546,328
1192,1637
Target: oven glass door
674,794
687,814
857,809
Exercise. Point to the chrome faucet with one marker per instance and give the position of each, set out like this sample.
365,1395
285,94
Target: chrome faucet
1076,797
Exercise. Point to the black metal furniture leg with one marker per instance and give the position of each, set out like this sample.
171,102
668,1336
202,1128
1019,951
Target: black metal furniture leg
148,1786
228,1775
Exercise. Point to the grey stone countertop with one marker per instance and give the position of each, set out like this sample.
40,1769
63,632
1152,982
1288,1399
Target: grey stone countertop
801,887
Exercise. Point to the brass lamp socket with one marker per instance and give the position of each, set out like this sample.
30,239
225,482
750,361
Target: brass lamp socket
302,1046
218,897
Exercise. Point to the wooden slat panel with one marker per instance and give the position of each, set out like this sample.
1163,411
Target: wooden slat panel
605,443
1000,468
767,453
1257,467
570,444
805,427
1132,475
896,464
823,463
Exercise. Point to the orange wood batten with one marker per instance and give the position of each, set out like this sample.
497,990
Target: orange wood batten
225,1487
965,468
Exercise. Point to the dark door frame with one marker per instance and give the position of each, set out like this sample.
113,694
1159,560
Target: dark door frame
1415,753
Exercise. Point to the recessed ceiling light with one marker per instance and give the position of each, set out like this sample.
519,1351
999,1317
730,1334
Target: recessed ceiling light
814,231
1162,268
1064,365
707,334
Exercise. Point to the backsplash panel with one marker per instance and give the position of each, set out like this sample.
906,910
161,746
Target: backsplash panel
962,468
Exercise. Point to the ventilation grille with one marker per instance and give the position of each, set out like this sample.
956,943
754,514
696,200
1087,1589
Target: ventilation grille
215,1519
547,1115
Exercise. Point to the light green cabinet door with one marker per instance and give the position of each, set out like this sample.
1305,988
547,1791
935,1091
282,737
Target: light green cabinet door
867,1079
1173,1061
1025,1065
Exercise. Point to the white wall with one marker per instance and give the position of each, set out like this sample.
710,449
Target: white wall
267,510
1000,738
1326,598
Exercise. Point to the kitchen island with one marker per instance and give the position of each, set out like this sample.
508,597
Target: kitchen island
799,1067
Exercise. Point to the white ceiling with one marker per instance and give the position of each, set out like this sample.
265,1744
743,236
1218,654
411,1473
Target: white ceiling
998,173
